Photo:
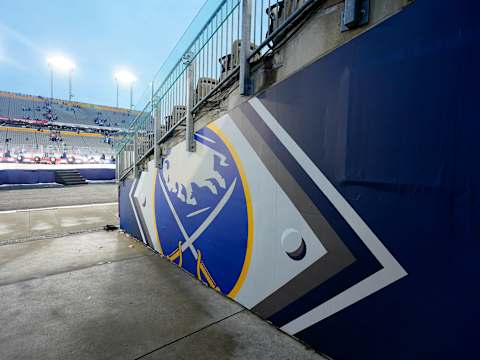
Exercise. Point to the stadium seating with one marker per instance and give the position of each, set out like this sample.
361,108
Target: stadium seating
64,114
33,127
22,139
35,108
4,106
3,136
30,142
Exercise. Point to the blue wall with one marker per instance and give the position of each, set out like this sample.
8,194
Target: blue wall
26,176
14,177
392,119
98,174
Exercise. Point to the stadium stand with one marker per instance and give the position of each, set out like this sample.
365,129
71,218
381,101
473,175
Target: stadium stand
34,129
29,145
35,109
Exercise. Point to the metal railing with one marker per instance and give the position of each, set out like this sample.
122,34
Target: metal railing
212,58
125,160
269,19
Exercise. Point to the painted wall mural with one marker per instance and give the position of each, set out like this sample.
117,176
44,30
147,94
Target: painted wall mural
203,211
346,217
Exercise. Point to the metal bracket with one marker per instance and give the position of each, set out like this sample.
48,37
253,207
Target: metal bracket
159,159
161,156
355,14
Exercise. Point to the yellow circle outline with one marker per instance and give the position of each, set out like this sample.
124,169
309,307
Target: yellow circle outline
241,171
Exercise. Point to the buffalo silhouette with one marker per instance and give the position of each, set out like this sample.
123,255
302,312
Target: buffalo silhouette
182,169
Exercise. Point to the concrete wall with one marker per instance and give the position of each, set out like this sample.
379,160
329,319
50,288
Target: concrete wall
319,35
340,203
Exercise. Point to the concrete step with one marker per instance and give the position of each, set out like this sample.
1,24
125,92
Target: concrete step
69,177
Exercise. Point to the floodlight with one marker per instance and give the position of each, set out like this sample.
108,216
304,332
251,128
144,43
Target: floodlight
125,77
61,63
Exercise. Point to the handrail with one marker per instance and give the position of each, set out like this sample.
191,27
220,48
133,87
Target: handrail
221,16
214,57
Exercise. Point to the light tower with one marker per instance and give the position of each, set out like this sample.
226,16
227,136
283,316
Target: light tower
63,64
126,78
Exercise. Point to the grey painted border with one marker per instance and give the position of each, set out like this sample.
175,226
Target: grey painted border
338,256
392,270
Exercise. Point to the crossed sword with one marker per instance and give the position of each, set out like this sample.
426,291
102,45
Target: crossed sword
189,240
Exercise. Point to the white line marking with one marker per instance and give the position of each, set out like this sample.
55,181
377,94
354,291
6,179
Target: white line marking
57,207
392,270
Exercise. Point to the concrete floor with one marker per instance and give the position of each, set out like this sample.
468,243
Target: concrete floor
20,225
91,296
58,196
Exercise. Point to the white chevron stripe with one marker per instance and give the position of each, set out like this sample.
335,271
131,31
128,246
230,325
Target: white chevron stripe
130,196
392,270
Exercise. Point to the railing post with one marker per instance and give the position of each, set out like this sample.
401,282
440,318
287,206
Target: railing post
188,61
245,81
135,165
156,130
117,167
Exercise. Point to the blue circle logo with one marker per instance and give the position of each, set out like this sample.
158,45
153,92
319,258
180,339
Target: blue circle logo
203,212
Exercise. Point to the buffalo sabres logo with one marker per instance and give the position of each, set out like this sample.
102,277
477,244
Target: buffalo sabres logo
202,211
